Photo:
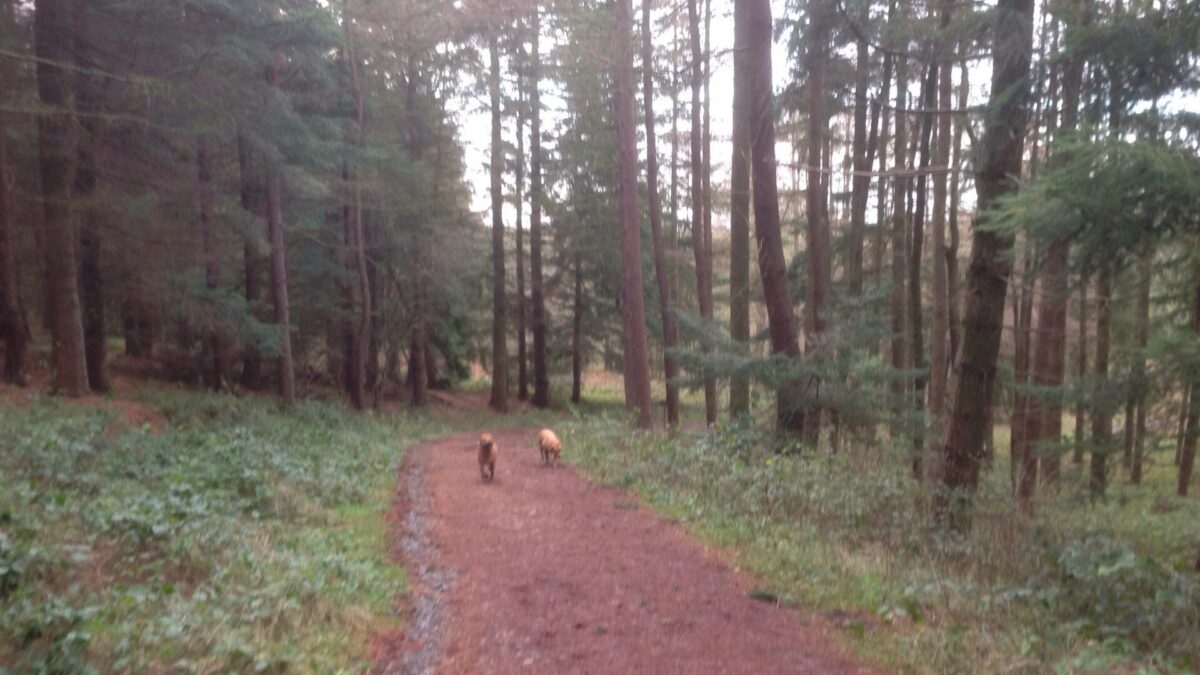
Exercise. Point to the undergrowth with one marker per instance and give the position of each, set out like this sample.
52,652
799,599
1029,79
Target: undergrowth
1080,587
233,539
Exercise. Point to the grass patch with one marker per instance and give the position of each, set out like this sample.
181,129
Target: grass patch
234,539
1080,587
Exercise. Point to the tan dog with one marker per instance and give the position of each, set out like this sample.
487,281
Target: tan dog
550,447
487,457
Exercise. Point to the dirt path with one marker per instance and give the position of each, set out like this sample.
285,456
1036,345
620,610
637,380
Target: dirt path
544,572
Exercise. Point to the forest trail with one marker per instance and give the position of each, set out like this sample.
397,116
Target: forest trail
545,572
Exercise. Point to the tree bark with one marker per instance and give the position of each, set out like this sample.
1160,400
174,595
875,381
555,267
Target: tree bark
1081,366
1102,411
1049,365
522,305
987,277
739,230
251,261
940,330
279,288
1181,422
362,332
710,383
953,299
752,35
499,397
661,273
899,350
1145,274
12,319
91,280
210,253
418,363
68,359
861,182
1187,454
817,267
916,341
633,313
1022,458
577,333
883,139
700,249
541,379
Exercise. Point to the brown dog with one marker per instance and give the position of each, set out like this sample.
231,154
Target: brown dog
550,447
487,457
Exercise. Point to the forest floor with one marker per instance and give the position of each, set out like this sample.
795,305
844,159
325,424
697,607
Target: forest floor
542,571
163,529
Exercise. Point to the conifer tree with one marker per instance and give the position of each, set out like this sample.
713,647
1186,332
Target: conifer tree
51,35
987,277
661,273
636,357
752,34
499,396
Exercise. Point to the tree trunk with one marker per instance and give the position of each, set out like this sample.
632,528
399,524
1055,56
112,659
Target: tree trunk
352,379
362,332
12,319
817,267
700,247
1181,424
279,288
676,70
916,341
884,138
661,273
210,250
522,307
987,277
68,359
251,261
1049,366
499,398
577,333
710,383
899,350
418,362
861,182
953,299
1022,458
877,146
541,379
739,231
1187,454
1081,369
940,330
633,313
1145,274
752,34
91,280
1102,411
1127,434
376,377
